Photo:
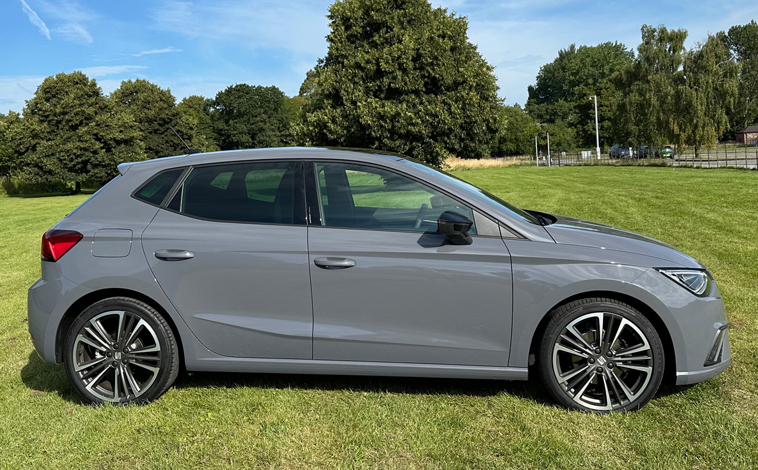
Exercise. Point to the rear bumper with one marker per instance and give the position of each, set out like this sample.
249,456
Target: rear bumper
48,299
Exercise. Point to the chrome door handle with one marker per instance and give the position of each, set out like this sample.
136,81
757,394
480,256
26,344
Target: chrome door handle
174,255
334,263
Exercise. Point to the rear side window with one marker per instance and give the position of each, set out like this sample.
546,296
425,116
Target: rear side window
155,190
246,192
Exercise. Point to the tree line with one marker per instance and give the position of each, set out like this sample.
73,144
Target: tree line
398,75
71,132
663,94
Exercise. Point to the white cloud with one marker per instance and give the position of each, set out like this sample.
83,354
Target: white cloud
157,51
67,11
284,40
74,32
14,91
108,85
105,70
298,26
71,18
517,49
182,87
35,20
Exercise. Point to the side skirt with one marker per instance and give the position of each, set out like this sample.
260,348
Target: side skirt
318,367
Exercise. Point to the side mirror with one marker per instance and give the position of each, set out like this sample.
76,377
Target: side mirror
455,227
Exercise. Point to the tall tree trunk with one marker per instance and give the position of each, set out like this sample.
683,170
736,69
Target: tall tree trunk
78,187
697,152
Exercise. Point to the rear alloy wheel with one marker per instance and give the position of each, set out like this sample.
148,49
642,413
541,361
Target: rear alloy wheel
120,351
601,355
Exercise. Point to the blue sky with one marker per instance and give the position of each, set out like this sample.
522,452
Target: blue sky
203,46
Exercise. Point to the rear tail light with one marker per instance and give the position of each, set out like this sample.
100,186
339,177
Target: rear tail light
55,243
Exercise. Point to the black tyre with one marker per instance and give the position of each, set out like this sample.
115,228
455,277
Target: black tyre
121,351
601,355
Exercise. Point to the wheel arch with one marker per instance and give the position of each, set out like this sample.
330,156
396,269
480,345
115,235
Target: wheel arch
642,307
90,298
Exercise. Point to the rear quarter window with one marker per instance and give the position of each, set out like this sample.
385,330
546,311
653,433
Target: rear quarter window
157,188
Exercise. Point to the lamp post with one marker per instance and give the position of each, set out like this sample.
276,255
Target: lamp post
536,151
548,150
597,131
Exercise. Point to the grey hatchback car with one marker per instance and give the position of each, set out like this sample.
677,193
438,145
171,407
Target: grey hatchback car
336,261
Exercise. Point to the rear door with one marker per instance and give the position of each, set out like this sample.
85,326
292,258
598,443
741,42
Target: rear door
230,252
388,288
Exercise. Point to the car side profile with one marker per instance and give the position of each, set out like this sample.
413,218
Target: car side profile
337,261
621,151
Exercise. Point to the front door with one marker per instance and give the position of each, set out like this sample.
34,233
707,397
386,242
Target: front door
231,254
387,288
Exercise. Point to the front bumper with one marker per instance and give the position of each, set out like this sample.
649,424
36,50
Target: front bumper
689,378
696,325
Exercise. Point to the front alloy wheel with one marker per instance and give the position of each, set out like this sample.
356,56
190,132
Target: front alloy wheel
120,351
601,355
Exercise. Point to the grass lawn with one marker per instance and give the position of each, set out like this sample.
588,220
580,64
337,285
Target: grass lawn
223,420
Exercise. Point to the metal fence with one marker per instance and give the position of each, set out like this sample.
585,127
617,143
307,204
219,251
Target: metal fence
727,155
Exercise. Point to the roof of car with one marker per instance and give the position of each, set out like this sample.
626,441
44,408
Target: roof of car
252,154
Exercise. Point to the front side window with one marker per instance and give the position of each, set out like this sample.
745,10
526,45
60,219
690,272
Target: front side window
474,191
246,192
358,196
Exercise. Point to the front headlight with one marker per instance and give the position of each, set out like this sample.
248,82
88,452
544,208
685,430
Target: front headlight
693,280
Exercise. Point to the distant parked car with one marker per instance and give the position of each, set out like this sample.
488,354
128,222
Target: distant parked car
621,151
644,151
667,152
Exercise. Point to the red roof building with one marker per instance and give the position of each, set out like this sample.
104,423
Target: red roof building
748,135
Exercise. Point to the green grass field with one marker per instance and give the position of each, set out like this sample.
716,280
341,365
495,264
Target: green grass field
225,420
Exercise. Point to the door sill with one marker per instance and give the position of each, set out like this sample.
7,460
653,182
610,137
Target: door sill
321,367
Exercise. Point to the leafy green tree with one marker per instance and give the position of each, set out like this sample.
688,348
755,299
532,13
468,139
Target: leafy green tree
561,94
709,89
308,99
8,157
247,116
517,132
743,43
647,107
310,94
70,132
154,110
575,70
194,113
607,96
401,76
562,136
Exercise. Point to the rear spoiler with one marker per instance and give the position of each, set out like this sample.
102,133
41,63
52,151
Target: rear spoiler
124,167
